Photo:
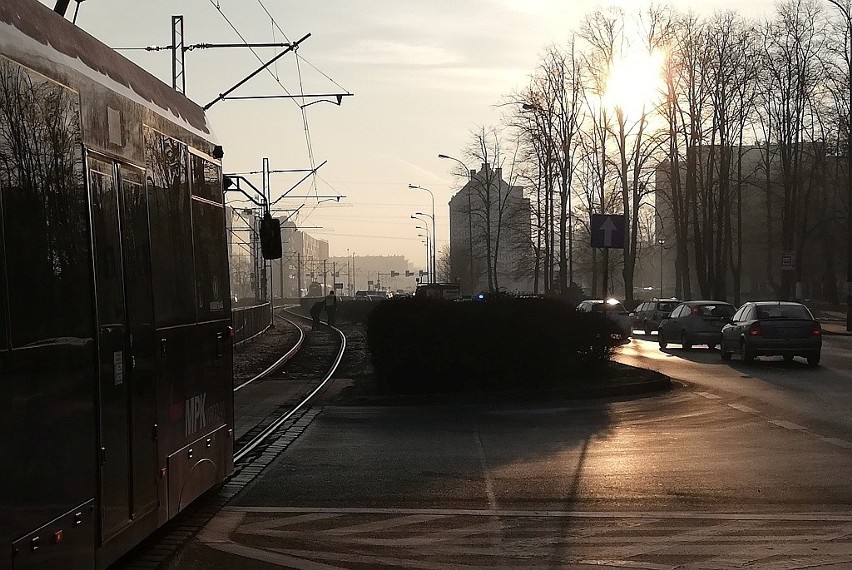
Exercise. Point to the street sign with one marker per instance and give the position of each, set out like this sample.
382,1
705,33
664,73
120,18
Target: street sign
338,286
608,231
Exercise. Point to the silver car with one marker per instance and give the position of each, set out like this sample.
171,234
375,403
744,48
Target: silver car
695,322
614,310
773,328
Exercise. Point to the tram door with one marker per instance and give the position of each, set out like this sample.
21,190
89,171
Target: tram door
127,410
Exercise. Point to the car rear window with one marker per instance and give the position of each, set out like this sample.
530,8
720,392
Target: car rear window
783,312
668,305
716,310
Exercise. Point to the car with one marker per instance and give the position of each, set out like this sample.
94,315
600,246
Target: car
613,310
647,315
773,328
695,322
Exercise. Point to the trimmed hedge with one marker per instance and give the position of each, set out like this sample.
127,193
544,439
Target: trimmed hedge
427,345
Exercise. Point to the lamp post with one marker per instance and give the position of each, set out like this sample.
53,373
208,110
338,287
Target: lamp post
425,241
431,238
434,234
661,243
469,219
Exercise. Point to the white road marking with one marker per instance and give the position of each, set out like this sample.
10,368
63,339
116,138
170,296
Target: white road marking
742,408
838,442
709,396
788,425
685,515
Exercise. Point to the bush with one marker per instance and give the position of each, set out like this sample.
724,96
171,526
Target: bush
428,345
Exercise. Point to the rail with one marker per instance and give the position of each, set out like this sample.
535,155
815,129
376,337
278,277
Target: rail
271,428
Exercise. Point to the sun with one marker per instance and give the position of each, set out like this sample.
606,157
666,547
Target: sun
635,83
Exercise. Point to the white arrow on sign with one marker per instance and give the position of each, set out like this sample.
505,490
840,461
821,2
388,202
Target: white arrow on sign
608,227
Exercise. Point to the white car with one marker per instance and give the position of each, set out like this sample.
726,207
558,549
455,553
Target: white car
613,310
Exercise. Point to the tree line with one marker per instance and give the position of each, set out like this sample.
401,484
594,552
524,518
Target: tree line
735,156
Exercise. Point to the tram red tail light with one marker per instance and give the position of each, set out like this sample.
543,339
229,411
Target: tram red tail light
58,536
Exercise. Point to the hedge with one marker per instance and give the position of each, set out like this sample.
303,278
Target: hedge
428,345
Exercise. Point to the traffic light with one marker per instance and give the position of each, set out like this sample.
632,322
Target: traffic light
394,273
270,237
409,273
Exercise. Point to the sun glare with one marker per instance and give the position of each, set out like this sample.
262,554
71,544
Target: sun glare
634,83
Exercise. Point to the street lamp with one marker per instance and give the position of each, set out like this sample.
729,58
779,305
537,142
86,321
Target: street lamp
434,234
429,258
426,242
661,243
469,219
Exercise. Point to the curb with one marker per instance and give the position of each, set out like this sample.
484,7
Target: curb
656,382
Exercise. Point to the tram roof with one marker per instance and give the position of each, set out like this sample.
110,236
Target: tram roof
39,30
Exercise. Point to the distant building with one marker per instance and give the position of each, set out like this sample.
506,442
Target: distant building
304,260
489,215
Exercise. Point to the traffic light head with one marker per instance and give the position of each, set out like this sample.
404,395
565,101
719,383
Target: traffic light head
270,237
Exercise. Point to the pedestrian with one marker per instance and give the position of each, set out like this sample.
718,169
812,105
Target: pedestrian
316,311
330,307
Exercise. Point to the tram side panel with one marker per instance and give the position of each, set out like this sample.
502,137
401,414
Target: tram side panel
47,341
192,308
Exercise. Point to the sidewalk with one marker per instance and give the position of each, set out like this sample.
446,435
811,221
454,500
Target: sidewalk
833,320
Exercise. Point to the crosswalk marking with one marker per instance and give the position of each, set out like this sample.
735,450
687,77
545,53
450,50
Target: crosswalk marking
470,539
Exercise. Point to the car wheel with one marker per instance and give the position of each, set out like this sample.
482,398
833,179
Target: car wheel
662,341
684,341
725,355
647,329
748,355
813,359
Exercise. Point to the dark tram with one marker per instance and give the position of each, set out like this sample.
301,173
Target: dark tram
115,337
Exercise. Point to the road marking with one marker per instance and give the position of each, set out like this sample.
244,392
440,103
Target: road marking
838,442
709,396
474,540
742,408
788,425
685,515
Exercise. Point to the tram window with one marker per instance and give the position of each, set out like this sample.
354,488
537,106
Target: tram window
205,180
107,247
44,208
171,233
211,262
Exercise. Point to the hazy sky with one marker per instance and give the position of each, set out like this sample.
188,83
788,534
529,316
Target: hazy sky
424,75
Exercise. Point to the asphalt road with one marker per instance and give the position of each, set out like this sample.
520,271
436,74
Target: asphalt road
739,466
820,398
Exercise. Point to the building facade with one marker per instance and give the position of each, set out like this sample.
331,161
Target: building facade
490,234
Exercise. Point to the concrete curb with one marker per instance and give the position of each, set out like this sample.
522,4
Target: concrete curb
625,386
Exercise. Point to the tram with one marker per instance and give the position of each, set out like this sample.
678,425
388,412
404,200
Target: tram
115,331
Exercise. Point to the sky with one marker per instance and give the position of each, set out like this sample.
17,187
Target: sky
424,75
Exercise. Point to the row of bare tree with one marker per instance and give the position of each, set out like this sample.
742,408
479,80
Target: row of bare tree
736,155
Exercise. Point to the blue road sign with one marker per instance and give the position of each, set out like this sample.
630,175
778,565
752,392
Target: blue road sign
608,230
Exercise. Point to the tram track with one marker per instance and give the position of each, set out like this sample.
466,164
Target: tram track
310,354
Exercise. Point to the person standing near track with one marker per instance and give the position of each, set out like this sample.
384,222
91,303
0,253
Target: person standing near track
330,307
316,311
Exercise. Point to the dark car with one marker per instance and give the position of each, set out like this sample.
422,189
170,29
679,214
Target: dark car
695,322
647,315
773,328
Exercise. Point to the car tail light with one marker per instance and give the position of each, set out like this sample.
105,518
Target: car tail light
754,330
695,311
816,330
